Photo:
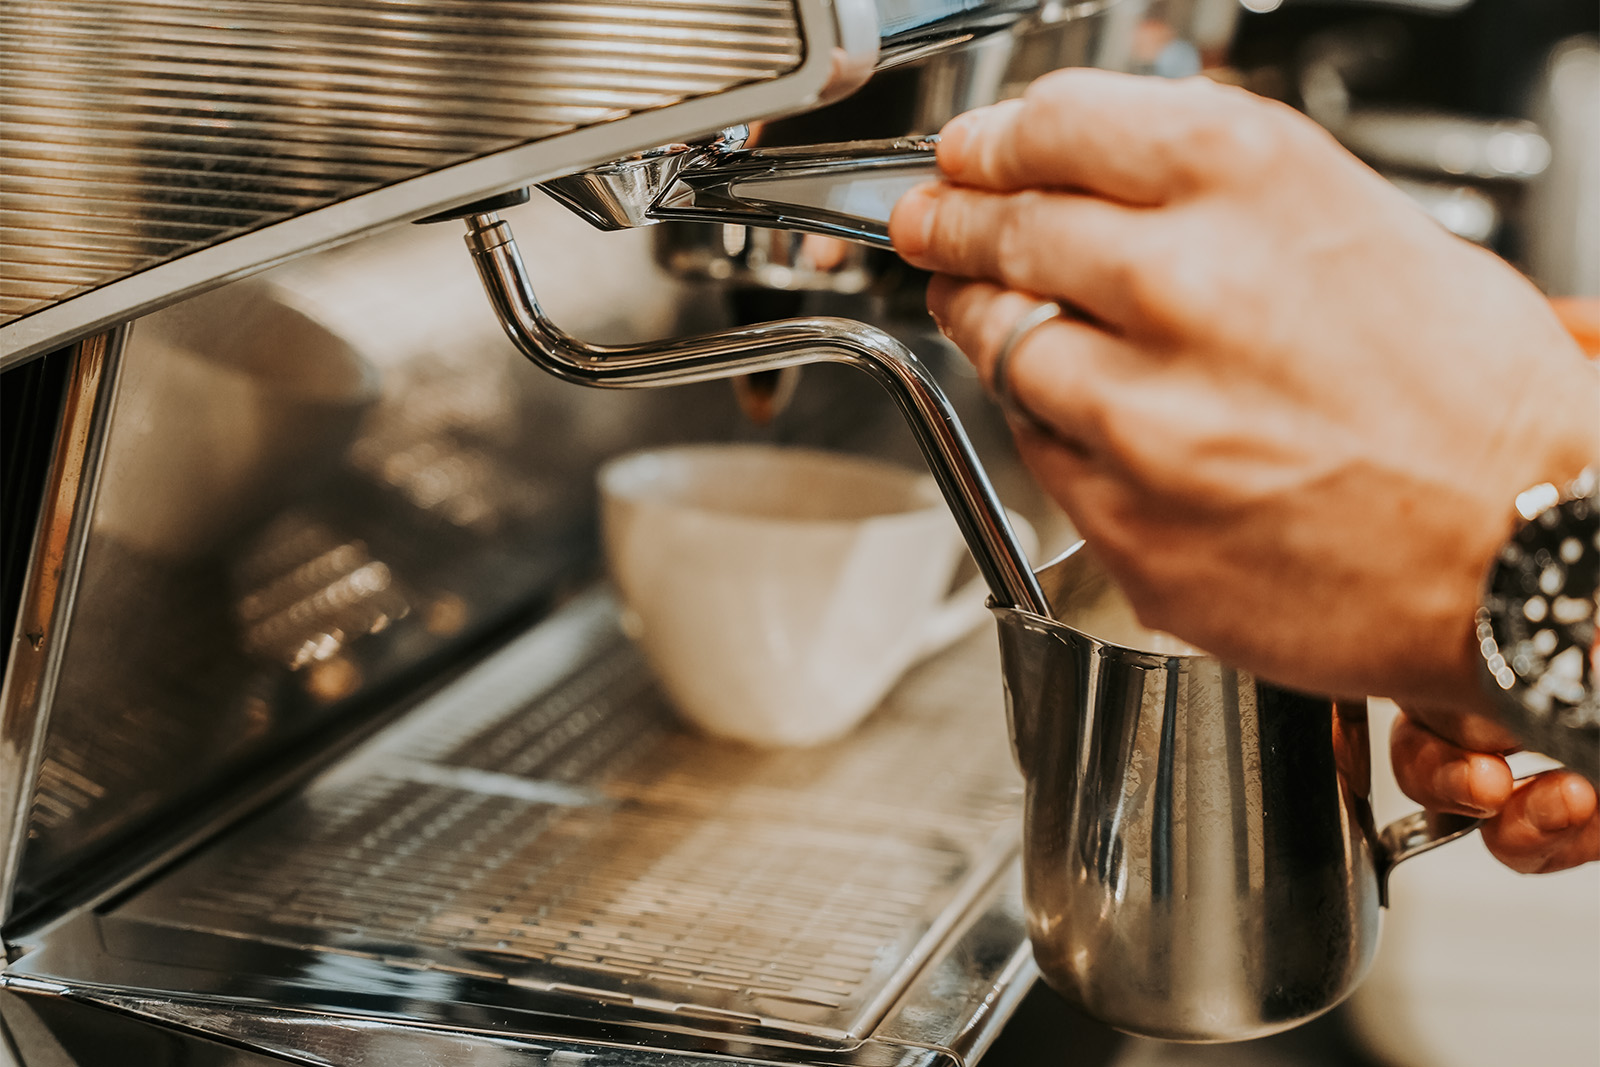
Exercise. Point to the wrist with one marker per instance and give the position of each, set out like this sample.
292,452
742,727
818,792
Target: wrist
1552,440
1557,437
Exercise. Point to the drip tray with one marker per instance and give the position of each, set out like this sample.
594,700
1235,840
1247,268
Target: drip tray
580,848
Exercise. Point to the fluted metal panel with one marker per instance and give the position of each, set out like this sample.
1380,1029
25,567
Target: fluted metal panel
133,132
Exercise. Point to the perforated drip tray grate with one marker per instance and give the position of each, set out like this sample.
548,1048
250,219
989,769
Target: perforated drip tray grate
579,842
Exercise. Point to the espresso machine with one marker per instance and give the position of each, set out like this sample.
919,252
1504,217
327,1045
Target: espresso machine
320,740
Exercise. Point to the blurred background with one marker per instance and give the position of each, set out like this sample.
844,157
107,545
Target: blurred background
330,484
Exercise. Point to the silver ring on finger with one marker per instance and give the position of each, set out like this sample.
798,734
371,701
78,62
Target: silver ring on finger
1000,375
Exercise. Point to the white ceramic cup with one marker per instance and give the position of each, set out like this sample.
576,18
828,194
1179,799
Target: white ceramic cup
779,593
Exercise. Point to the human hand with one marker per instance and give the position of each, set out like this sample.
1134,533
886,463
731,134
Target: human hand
1294,412
1449,761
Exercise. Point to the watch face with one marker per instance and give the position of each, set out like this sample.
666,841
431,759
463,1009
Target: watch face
1538,630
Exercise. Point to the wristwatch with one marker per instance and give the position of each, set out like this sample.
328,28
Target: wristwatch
1536,624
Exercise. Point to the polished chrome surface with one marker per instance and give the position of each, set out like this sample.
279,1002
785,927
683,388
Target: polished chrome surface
540,848
841,190
55,566
1412,835
772,346
318,484
241,404
155,146
619,194
1200,857
105,1026
844,190
907,106
180,152
237,642
914,29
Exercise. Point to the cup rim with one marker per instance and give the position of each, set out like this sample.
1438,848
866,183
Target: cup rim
618,479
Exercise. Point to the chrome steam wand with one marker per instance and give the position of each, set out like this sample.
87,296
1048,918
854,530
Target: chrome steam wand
772,346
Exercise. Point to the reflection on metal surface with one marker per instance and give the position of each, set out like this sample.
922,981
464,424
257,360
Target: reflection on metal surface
468,477
237,404
914,29
684,875
45,1029
619,193
742,256
414,445
140,133
1200,857
543,835
1445,144
307,593
155,147
37,648
948,1019
910,103
244,582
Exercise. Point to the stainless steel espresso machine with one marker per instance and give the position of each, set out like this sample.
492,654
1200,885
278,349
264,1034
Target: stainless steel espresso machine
319,740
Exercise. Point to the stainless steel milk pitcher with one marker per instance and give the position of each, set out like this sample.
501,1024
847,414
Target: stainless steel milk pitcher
1200,858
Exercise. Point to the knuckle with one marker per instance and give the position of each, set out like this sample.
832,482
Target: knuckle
1046,91
942,300
1232,138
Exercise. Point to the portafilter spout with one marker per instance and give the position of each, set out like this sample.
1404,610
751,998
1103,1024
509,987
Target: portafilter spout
836,190
772,346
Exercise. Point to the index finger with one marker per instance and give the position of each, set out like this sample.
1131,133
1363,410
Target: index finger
1137,139
1442,776
1475,733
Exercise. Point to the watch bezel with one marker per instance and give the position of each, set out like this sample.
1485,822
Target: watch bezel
1536,626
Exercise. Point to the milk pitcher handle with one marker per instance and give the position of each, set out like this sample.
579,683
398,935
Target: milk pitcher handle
1412,835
